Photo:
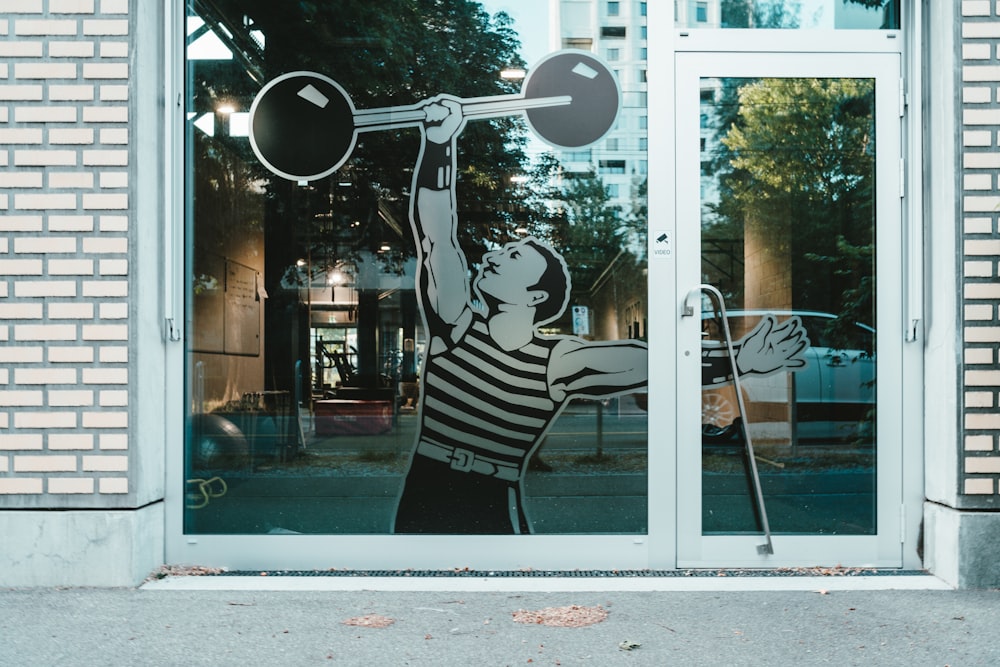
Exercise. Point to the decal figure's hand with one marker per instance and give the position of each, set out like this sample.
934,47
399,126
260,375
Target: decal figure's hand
443,118
771,347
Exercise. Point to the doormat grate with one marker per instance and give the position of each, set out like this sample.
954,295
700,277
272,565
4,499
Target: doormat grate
608,574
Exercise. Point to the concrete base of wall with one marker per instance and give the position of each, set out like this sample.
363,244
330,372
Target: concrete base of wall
961,546
80,548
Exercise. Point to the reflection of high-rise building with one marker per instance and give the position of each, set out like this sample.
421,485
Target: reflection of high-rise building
616,31
697,13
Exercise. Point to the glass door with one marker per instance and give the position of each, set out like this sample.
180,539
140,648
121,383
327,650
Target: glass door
789,274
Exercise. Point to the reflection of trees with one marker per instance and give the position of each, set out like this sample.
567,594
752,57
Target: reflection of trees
796,158
788,13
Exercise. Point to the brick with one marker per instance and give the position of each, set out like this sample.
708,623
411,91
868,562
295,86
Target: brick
112,93
45,332
982,421
113,399
71,311
975,7
113,441
30,376
71,267
114,6
105,157
981,116
20,92
113,355
44,158
20,355
71,355
71,180
113,267
70,441
977,138
976,51
45,245
20,311
982,247
114,223
71,6
105,419
105,245
114,49
979,399
21,6
105,332
70,399
46,463
20,398
976,73
978,486
21,223
45,288
111,485
105,70
976,464
980,30
105,376
20,136
45,70
70,485
117,135
114,179
982,291
977,182
979,204
105,27
982,378
71,135
71,223
71,49
106,114
21,49
979,443
21,179
46,202
71,93
20,486
25,442
44,420
105,463
104,288
114,311
48,114
45,27
105,201
21,267
979,356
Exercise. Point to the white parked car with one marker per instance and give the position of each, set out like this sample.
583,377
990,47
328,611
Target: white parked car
831,399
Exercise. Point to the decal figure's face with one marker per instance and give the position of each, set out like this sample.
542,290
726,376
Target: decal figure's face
508,274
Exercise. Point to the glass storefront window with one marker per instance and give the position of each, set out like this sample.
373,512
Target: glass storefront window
416,295
788,14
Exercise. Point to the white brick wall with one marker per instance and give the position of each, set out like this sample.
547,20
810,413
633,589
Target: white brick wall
980,50
64,270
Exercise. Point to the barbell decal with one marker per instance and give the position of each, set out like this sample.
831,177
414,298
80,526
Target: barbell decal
303,125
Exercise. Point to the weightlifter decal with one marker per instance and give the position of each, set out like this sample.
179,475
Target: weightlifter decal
491,384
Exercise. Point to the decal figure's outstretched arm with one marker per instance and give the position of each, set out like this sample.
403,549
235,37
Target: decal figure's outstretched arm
769,348
443,273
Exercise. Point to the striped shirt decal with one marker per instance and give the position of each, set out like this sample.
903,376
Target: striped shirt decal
485,400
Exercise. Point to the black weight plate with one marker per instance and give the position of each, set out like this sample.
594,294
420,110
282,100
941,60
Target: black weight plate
302,126
593,88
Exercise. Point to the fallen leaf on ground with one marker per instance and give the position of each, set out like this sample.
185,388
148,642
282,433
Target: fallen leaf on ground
628,645
370,621
573,616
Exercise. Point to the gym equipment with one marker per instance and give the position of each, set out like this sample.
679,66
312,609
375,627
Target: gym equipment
303,125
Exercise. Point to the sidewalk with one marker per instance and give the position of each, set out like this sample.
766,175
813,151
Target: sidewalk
219,620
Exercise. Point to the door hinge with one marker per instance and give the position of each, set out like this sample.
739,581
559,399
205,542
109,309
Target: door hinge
902,98
902,177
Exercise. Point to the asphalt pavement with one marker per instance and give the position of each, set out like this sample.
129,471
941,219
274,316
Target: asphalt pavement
219,620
